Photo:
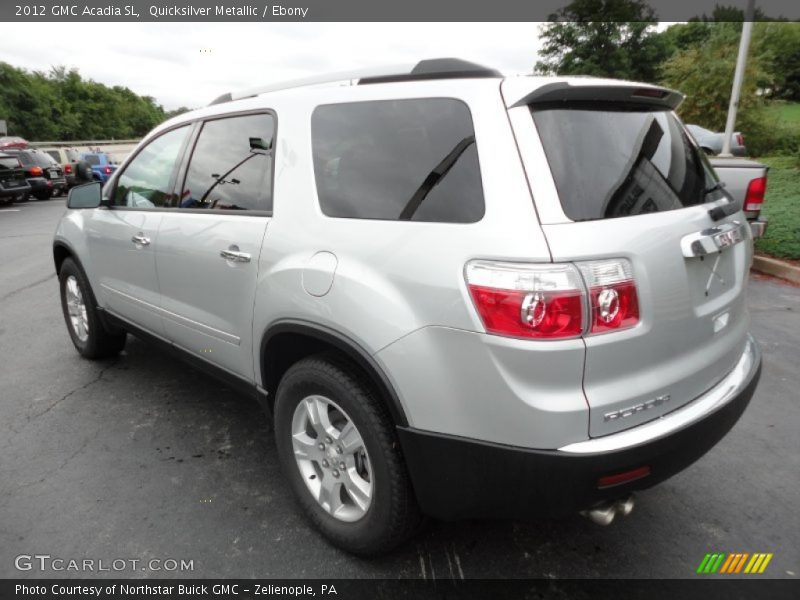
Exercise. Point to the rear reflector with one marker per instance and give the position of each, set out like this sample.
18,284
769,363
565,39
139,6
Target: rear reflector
612,294
624,477
527,300
754,197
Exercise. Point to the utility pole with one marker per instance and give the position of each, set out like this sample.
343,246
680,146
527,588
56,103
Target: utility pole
741,60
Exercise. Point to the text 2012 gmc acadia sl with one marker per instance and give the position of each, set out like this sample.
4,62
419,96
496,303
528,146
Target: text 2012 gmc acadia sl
458,294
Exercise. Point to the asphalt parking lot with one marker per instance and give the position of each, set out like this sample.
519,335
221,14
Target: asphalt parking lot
141,457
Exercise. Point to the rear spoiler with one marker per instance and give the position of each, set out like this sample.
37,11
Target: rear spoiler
563,92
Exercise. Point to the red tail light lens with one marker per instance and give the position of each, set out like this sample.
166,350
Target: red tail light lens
740,139
625,477
525,300
67,169
36,172
548,301
754,197
612,294
107,170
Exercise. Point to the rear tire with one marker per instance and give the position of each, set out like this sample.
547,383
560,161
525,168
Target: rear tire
89,336
43,195
374,508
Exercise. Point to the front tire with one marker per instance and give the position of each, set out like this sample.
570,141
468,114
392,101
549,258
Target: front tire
338,447
86,329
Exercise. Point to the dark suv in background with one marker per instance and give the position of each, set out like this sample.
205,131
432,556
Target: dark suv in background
45,176
13,185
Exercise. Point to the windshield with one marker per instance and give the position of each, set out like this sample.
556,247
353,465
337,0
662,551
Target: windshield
610,163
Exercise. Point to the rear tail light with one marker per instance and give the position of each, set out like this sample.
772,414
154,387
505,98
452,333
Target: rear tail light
612,294
551,301
107,170
754,197
740,139
525,300
67,169
36,172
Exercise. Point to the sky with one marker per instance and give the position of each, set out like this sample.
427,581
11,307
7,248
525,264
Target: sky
190,64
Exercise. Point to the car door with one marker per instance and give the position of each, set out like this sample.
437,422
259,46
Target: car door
122,236
209,244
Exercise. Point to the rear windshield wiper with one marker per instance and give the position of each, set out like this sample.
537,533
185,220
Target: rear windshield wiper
724,210
719,185
434,177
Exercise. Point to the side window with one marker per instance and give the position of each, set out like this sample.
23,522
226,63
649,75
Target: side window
407,160
231,166
145,181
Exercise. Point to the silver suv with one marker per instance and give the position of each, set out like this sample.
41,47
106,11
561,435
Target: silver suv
459,295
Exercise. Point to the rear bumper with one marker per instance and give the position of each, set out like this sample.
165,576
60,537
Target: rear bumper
758,227
13,192
458,478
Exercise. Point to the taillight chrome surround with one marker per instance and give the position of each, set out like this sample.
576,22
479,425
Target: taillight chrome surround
553,300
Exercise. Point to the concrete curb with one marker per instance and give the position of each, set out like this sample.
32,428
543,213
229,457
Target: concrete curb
776,268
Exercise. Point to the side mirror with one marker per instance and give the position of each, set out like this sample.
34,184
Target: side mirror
85,196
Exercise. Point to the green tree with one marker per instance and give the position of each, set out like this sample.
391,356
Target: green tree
606,38
61,105
704,72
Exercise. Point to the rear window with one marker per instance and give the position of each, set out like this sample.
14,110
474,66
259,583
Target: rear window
92,159
43,159
610,163
406,160
25,159
8,162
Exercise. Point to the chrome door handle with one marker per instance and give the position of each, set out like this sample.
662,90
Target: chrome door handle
140,240
235,256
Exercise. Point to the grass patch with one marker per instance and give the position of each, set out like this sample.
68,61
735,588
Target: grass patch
782,207
787,112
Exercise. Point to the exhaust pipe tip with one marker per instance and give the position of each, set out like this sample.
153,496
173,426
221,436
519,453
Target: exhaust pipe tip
604,514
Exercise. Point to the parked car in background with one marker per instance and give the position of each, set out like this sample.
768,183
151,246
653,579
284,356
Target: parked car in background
711,142
746,181
67,158
101,163
13,185
9,141
44,174
476,296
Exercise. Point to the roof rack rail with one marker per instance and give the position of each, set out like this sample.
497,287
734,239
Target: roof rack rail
435,68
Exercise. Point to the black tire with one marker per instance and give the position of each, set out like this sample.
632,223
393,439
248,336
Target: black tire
4,202
43,195
23,197
98,342
393,514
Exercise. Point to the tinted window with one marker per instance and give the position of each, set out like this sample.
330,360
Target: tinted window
145,181
7,162
92,159
43,160
231,166
25,159
54,154
397,159
618,163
